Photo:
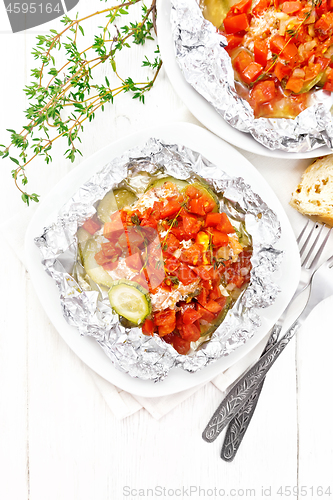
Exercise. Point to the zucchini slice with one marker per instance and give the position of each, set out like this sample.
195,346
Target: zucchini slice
114,200
181,185
130,300
96,272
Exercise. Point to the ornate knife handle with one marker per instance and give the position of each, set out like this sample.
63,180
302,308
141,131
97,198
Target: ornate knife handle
238,426
243,390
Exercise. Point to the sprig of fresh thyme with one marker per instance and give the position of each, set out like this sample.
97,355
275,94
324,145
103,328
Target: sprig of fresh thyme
63,98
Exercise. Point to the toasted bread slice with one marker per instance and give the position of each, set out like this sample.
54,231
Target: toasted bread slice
314,195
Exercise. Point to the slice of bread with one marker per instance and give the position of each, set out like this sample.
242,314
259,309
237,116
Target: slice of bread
314,195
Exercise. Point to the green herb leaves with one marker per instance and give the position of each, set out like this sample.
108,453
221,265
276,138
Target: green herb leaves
63,97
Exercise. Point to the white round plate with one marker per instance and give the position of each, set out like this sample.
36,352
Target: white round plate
229,160
201,108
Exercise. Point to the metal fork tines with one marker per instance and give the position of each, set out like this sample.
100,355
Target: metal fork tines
312,234
312,241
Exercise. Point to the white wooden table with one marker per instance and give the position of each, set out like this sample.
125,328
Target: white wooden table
59,440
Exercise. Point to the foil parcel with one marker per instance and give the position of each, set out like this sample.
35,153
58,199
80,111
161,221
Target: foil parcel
87,308
207,67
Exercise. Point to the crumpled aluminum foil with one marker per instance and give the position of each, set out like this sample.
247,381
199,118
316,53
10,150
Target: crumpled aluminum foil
84,307
207,67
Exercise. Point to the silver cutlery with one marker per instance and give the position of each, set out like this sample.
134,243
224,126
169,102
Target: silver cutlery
311,235
321,287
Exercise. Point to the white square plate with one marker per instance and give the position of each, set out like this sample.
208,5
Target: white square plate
229,160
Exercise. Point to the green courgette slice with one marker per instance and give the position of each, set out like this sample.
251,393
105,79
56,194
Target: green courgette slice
114,200
130,300
96,272
180,184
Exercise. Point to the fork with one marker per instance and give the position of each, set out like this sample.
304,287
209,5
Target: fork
239,424
244,389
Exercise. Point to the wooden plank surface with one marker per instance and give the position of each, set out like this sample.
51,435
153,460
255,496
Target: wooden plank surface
59,439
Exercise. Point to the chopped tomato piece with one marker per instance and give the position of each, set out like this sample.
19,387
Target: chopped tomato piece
101,259
191,225
179,232
213,306
171,264
242,61
169,337
279,46
225,225
321,8
312,72
213,220
91,225
192,255
148,327
234,41
238,281
323,61
171,208
215,293
109,250
209,204
185,274
328,86
164,330
240,8
135,238
324,26
207,284
222,301
329,82
260,8
134,262
190,316
202,297
260,52
170,243
197,206
154,271
192,192
282,69
236,23
180,345
203,272
165,317
219,239
166,321
114,229
291,7
190,332
264,91
251,73
295,84
290,51
110,266
205,314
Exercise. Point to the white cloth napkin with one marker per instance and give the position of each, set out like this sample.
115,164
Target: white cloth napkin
121,403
